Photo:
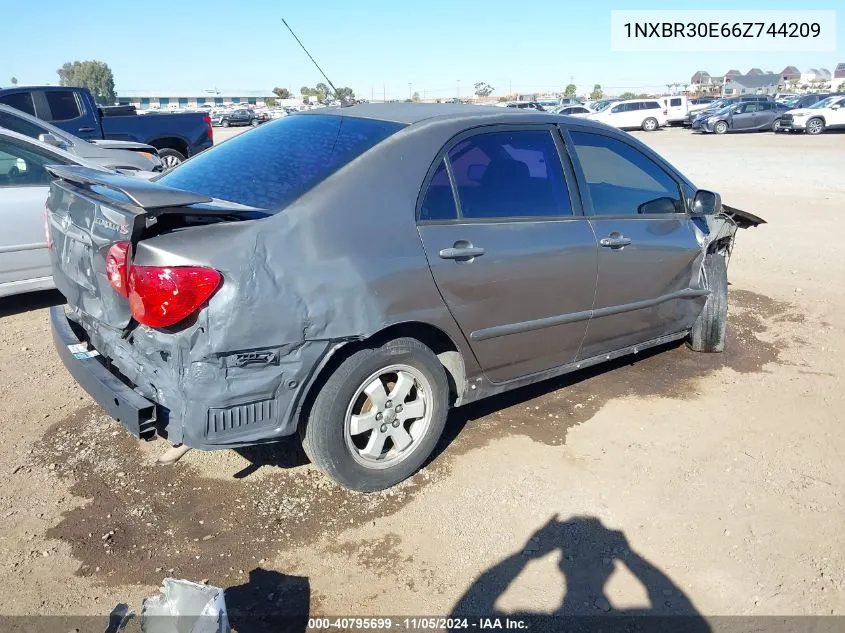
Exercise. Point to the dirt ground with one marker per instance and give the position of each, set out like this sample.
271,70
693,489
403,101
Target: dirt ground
672,481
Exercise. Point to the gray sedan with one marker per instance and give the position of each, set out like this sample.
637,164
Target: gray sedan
108,153
349,274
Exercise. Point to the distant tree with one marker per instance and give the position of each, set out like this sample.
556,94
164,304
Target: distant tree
270,101
415,97
282,93
597,92
407,101
483,89
94,75
627,95
14,81
345,95
570,91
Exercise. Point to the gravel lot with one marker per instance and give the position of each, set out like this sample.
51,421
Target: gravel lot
675,481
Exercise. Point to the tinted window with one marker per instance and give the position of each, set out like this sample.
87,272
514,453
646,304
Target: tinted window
510,174
23,165
63,105
674,102
276,163
20,125
765,105
624,107
439,202
650,105
623,180
20,100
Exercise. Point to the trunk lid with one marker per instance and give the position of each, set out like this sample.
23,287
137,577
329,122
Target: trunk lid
87,212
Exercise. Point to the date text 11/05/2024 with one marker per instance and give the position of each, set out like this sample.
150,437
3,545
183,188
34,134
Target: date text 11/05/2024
721,30
418,624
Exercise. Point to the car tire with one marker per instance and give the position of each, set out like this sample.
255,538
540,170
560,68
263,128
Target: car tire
708,331
650,124
225,123
776,126
254,123
329,435
721,127
815,126
170,157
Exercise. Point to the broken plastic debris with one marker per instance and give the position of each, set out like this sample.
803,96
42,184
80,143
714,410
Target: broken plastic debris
185,607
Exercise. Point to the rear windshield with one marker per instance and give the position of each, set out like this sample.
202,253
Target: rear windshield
273,165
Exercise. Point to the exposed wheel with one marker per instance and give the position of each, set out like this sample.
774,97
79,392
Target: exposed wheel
379,415
225,123
650,124
776,126
815,126
708,331
170,157
254,123
721,127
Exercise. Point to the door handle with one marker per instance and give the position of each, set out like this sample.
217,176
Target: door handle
86,129
463,252
615,241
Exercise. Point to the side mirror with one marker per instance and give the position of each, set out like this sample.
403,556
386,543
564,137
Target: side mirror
50,140
706,203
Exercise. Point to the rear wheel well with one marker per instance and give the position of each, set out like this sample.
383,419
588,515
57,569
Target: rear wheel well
432,337
172,143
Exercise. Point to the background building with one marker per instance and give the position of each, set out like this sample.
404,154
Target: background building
191,100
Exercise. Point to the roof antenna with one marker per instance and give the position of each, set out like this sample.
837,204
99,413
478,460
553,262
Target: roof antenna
342,99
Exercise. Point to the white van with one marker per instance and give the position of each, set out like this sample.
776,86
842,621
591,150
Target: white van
645,114
676,107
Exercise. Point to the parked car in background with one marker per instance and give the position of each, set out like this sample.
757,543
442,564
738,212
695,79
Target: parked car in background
676,107
645,114
824,115
573,110
751,116
109,154
601,104
805,101
255,308
702,112
702,100
24,186
524,105
176,136
240,116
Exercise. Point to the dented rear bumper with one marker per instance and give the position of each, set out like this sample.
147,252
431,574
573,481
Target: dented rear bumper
151,385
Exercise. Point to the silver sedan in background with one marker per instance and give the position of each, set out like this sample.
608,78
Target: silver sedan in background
24,185
126,155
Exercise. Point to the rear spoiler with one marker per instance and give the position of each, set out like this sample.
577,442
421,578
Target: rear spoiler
153,198
142,193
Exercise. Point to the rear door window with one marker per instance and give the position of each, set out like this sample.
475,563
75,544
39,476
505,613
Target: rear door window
675,102
23,165
278,162
20,100
439,201
514,174
63,105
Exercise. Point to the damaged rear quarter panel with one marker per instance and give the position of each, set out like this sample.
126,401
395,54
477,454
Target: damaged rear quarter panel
341,263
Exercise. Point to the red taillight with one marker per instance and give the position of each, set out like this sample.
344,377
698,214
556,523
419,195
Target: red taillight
210,127
161,296
117,267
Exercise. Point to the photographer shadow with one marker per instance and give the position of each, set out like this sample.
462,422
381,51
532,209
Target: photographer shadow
589,553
